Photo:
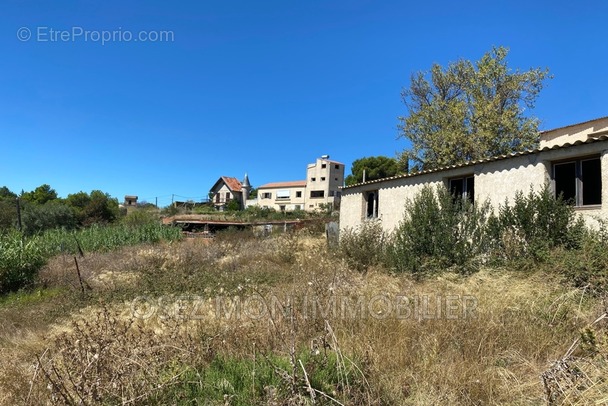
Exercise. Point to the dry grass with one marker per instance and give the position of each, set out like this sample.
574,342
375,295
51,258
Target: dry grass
92,350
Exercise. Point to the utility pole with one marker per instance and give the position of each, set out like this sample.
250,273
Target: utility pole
156,202
19,215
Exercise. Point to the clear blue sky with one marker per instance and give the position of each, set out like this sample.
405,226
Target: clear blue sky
262,87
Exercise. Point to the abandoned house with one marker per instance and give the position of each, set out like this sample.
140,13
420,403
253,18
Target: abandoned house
226,189
324,178
572,160
130,201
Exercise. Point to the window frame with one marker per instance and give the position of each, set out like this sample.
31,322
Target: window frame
578,178
465,186
370,208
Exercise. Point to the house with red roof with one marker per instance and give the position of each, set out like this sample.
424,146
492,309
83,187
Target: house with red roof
227,189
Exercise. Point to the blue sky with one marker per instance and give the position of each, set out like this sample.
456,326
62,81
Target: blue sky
262,87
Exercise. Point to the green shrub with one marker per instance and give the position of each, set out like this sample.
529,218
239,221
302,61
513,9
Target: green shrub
19,261
233,205
141,217
536,223
364,246
52,214
586,266
439,231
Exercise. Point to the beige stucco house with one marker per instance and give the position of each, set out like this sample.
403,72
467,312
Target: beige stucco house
573,160
324,178
283,196
574,132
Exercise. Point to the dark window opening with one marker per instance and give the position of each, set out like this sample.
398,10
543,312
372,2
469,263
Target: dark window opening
323,166
371,204
591,181
460,187
298,194
317,193
217,198
322,179
227,196
337,166
579,182
313,179
565,181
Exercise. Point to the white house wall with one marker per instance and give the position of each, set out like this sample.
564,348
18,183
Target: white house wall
495,181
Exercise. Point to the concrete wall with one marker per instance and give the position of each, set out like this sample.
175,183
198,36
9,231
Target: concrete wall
572,133
329,179
495,181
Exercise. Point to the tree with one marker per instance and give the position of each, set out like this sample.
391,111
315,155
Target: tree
376,167
101,209
470,111
40,195
97,207
6,194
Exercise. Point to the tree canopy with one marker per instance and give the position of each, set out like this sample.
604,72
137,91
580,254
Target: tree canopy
376,167
470,111
42,194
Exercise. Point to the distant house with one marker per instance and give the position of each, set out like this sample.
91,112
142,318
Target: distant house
283,196
573,160
324,178
130,201
226,189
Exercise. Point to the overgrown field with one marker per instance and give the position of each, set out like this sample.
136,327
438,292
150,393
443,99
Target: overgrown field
285,320
22,257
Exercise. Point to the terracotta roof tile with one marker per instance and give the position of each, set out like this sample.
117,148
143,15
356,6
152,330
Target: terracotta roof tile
233,183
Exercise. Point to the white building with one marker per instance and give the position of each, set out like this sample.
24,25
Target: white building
573,160
324,178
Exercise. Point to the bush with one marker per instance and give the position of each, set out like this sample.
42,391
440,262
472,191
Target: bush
535,224
233,205
439,231
40,217
364,246
19,262
141,217
585,267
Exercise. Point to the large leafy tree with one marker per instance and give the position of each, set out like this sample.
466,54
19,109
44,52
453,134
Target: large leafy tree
375,167
469,111
42,194
96,207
